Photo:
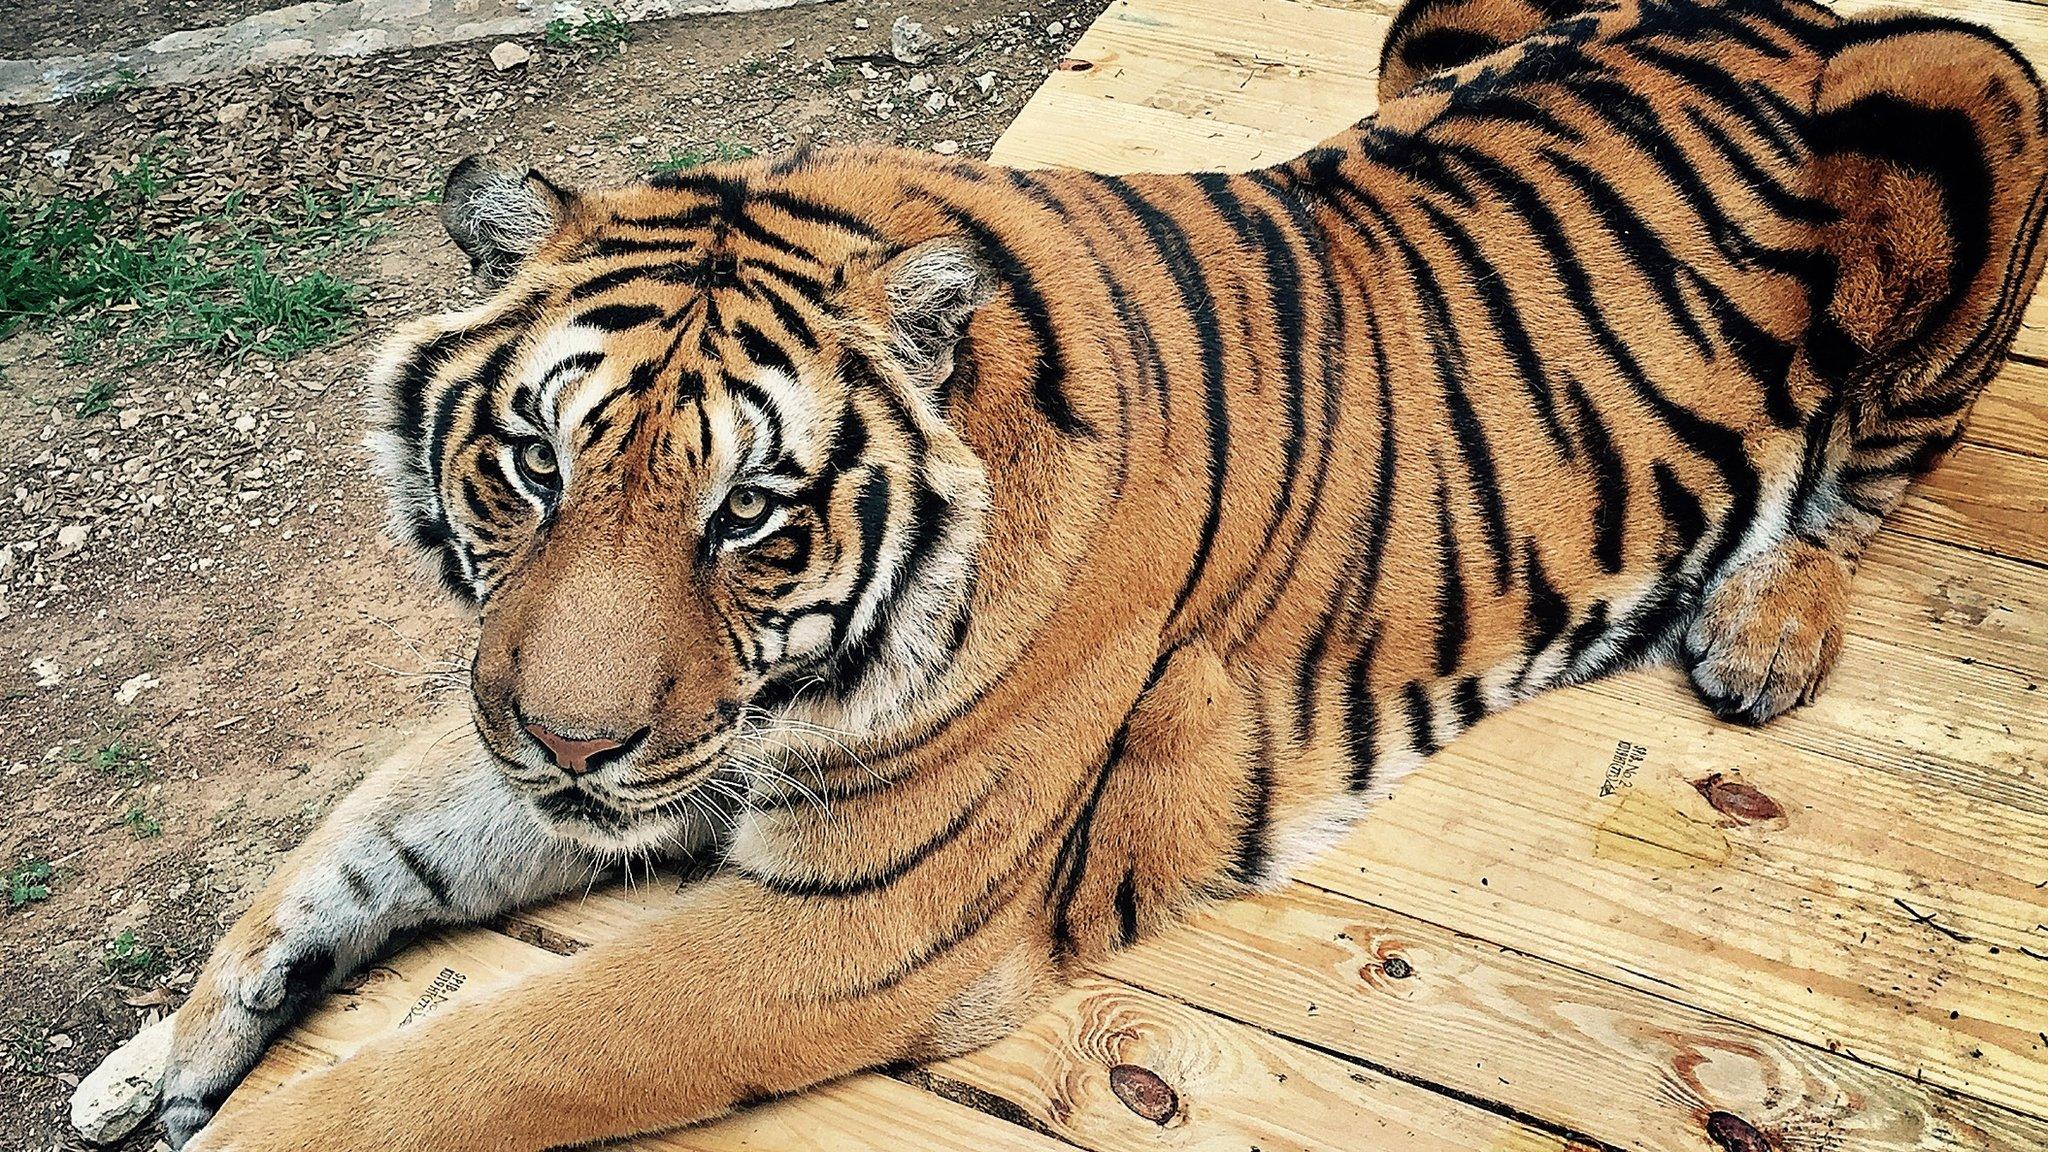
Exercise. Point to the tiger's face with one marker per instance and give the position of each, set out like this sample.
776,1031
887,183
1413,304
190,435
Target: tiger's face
691,465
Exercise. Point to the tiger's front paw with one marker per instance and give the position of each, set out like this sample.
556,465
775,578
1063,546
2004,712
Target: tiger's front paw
1769,632
256,983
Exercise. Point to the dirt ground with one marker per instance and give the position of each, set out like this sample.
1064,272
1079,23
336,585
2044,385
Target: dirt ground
204,637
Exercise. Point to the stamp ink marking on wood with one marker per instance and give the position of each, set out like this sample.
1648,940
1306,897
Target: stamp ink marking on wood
1621,771
445,984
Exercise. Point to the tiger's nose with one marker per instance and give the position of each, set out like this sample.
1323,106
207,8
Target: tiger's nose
578,756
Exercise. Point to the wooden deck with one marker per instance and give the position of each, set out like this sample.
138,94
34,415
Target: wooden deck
1599,921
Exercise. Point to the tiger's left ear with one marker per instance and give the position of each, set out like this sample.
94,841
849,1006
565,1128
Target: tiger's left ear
498,216
932,291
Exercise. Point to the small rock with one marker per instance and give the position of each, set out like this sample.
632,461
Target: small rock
922,82
986,82
860,22
1055,28
946,147
232,113
507,56
935,103
245,423
908,41
71,537
116,1097
48,673
134,686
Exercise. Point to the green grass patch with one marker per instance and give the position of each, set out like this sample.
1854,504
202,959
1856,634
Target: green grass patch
141,822
232,283
128,958
600,31
29,883
718,152
126,762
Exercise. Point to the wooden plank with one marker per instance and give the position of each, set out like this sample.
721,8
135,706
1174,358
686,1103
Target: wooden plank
859,1114
1579,1053
1215,1084
1804,924
2013,411
1982,497
1235,1086
1174,85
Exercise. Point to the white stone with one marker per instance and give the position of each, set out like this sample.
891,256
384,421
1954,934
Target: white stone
116,1097
72,537
935,103
245,423
908,41
134,686
507,56
1055,28
922,82
233,113
946,147
48,673
986,82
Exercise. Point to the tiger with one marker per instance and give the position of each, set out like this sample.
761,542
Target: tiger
979,569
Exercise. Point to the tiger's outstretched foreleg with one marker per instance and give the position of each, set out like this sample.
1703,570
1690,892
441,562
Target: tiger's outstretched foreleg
1930,144
428,838
742,994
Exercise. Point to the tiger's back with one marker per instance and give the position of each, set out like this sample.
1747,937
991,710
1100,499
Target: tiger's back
1614,343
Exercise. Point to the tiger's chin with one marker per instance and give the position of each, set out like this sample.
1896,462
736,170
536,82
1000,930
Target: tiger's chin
674,829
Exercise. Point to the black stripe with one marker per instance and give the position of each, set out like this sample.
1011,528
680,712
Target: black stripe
1610,480
1681,510
1071,862
1361,716
763,351
1248,862
1465,698
1421,719
422,871
1170,245
878,878
1048,366
1486,281
618,317
1127,908
1450,604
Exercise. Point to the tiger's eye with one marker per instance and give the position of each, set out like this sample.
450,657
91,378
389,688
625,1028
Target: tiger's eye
537,459
745,505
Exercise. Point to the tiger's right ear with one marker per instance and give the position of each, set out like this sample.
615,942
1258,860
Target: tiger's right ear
500,217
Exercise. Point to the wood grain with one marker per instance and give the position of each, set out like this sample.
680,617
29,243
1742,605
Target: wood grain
1572,1050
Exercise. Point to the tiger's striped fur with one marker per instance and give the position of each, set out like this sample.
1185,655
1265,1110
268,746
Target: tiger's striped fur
1128,535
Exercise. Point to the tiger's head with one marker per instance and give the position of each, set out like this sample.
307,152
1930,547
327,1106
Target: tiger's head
690,464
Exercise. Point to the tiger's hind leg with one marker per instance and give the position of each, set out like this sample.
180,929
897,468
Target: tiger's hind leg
1931,142
1429,36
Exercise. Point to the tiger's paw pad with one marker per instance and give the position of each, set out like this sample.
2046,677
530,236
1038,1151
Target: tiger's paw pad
1768,633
